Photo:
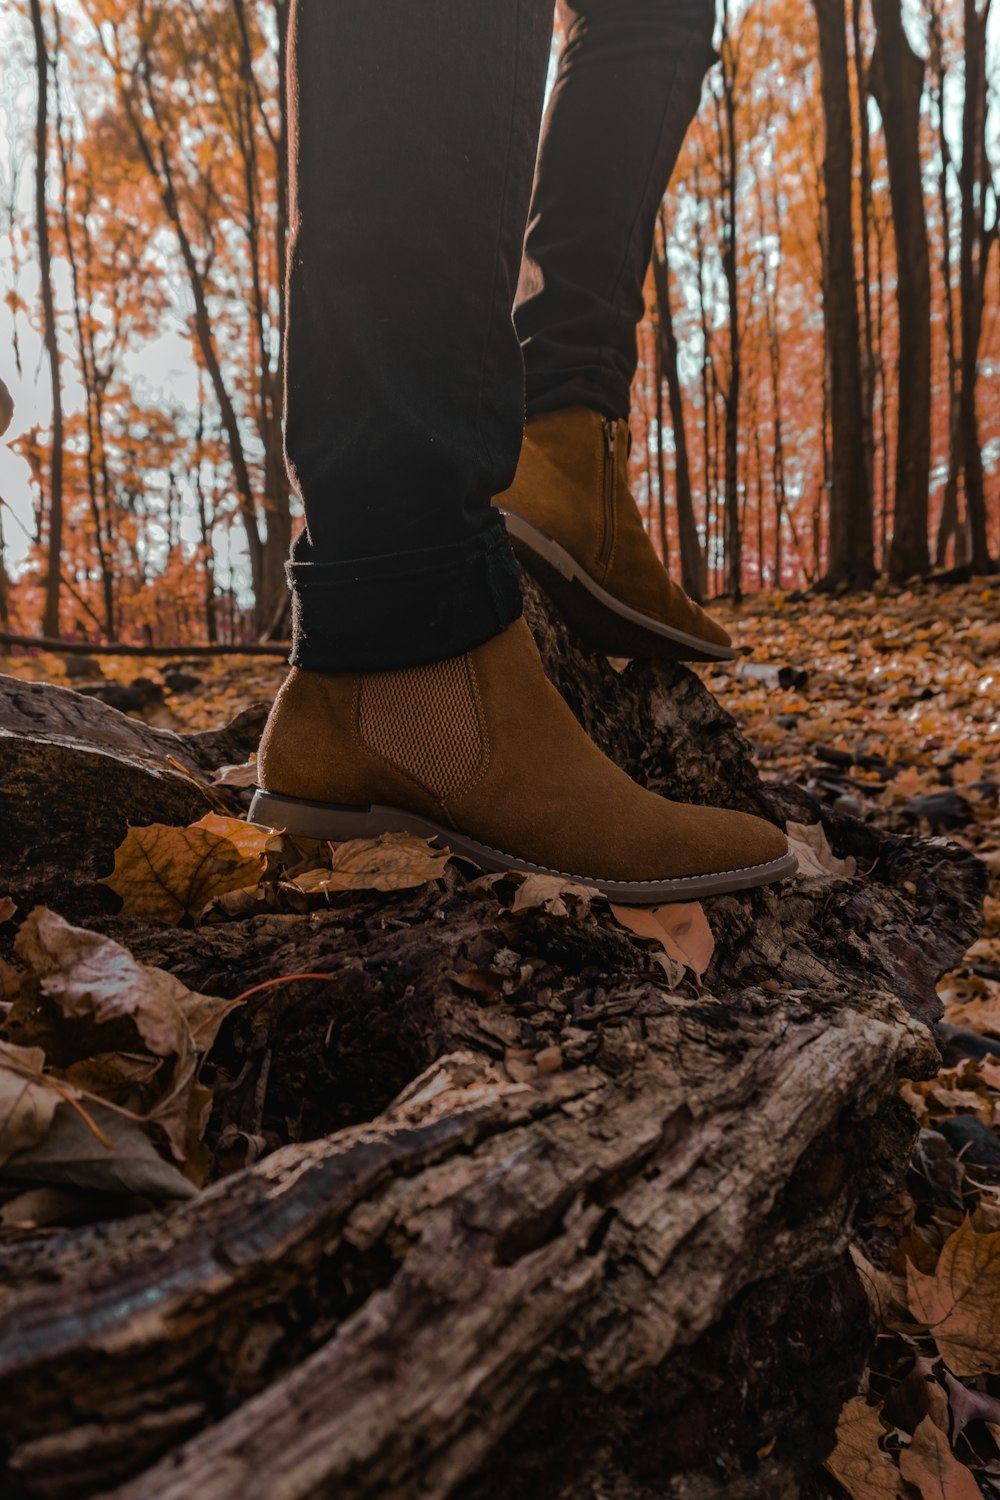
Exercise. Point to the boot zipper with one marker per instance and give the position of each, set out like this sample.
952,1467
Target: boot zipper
608,493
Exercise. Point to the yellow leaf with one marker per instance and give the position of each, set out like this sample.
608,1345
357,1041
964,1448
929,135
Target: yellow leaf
681,929
248,838
929,1464
391,862
171,873
857,1462
960,1301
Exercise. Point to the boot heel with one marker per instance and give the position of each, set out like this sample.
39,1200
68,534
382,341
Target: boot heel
315,820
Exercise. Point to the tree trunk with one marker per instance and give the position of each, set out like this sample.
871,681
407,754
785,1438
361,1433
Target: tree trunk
692,557
973,255
733,531
897,77
661,468
865,186
467,1274
851,548
53,578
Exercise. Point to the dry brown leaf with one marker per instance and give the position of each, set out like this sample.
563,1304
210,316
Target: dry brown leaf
968,1405
122,1160
929,1464
10,982
973,1015
28,1100
960,1302
809,844
550,892
7,908
857,1462
90,977
883,1290
390,862
168,873
681,928
238,776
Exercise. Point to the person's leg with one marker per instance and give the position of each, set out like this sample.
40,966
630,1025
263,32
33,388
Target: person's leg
629,81
418,702
413,140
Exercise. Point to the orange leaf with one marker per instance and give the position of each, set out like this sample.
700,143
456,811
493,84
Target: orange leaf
681,929
929,1464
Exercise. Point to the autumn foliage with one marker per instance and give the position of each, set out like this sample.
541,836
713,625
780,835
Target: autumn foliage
816,397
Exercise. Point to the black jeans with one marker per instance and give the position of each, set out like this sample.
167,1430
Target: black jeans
414,133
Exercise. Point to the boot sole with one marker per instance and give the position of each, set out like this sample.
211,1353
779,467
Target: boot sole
604,621
327,820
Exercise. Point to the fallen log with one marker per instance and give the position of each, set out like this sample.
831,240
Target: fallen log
545,1223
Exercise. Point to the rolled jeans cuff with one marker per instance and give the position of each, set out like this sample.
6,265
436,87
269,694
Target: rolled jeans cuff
404,609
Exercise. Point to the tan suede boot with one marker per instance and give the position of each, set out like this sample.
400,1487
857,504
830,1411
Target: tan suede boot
481,753
577,529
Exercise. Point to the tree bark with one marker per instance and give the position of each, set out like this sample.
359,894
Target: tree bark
851,547
54,574
465,1275
692,557
974,251
897,77
865,193
726,112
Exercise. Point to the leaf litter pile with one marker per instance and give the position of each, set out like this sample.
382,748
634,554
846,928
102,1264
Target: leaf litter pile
887,708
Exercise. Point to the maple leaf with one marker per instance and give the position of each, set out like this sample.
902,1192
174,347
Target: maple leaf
857,1462
171,873
929,1464
960,1301
391,862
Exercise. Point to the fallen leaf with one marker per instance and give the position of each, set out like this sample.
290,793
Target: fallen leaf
550,892
238,776
883,1290
7,909
91,976
28,1100
960,1302
919,1394
809,844
968,1405
929,1464
681,929
857,1462
247,837
168,873
10,981
70,1155
391,862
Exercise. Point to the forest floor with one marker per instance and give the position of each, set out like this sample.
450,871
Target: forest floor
886,707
